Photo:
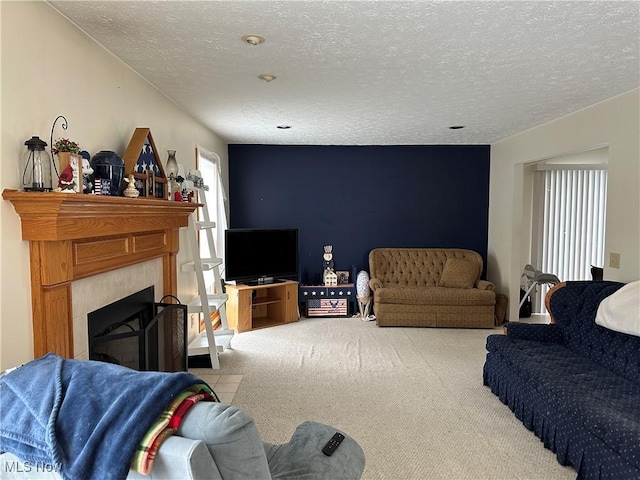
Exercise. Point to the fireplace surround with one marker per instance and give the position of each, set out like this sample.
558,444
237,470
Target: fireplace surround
76,236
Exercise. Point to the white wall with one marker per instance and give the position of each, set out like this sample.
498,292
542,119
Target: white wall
615,124
51,68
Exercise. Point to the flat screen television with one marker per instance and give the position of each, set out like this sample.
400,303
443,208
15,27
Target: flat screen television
260,255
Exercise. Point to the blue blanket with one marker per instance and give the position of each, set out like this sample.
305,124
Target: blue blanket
84,418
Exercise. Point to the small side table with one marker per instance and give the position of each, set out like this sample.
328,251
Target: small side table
344,290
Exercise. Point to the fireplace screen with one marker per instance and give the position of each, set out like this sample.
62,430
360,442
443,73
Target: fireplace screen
139,333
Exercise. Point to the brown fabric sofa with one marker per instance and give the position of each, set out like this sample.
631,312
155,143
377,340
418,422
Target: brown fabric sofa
430,287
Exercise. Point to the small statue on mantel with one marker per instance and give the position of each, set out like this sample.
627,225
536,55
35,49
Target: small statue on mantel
87,171
131,191
66,182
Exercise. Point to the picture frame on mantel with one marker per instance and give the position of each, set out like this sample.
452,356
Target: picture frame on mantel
141,159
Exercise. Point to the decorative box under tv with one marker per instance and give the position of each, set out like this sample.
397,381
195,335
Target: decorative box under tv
327,307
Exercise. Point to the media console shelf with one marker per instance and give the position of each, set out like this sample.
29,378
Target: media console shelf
258,306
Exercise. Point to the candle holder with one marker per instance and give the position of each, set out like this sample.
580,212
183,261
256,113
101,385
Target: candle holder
36,174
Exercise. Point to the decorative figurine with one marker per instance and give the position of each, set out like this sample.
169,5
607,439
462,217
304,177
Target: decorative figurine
68,179
131,191
327,258
87,171
329,277
363,294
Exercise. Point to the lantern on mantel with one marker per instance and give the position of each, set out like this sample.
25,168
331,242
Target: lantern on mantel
36,173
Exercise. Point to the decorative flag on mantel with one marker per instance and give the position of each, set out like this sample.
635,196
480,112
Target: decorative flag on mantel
327,307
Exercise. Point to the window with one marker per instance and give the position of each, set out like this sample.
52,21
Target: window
569,221
216,198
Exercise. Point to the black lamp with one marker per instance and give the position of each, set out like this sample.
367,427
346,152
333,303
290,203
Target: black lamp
36,175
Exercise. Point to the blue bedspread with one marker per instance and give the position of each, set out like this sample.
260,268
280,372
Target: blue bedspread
85,418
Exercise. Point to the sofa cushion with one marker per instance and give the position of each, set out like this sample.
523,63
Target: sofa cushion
434,296
459,273
416,267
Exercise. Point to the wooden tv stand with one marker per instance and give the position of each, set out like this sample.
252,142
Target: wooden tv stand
259,306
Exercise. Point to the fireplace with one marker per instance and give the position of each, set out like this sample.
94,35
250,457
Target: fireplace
74,238
139,333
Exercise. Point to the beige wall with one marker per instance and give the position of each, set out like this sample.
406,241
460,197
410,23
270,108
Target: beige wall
51,68
615,124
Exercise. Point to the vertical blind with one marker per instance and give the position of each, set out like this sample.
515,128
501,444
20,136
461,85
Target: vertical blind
571,208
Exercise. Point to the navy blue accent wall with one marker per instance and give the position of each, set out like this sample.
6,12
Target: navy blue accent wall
357,198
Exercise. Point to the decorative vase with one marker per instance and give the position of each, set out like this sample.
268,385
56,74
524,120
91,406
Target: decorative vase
172,164
108,165
363,294
171,171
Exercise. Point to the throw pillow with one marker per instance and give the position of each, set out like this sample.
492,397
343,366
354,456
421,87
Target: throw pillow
620,311
459,273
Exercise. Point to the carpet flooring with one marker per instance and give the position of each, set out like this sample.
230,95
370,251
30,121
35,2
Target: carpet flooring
412,397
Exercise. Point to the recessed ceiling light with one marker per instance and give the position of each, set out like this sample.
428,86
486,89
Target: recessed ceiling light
456,127
253,39
283,127
267,77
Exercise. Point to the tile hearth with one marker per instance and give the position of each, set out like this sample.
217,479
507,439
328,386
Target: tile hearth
225,386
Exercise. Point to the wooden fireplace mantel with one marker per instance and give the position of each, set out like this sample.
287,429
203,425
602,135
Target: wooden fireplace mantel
74,236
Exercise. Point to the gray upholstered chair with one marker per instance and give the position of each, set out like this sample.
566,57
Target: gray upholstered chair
77,419
219,441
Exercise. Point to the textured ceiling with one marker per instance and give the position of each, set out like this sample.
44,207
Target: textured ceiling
373,72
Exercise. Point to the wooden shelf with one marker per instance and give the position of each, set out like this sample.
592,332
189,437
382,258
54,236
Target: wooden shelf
56,216
264,322
265,300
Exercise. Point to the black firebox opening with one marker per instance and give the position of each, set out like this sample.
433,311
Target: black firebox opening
138,333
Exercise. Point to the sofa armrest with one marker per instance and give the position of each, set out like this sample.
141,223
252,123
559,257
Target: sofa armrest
485,285
527,331
177,457
180,457
231,436
375,283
